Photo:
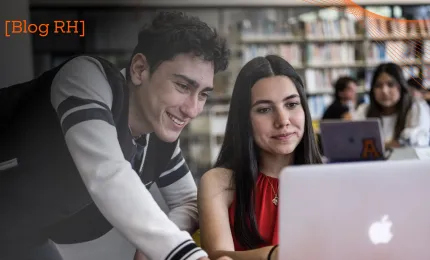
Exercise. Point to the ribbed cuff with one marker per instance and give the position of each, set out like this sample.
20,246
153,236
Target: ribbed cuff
187,250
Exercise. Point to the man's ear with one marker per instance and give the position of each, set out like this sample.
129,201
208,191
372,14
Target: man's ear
139,69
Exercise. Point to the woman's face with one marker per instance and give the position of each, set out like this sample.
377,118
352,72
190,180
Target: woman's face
277,115
386,90
350,92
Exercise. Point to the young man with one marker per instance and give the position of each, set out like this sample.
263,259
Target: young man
84,145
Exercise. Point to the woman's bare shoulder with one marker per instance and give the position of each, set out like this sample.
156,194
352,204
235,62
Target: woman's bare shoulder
217,183
221,177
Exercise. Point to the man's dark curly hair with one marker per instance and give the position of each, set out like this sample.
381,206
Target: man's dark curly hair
173,33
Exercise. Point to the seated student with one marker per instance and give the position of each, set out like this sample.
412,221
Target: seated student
345,98
416,86
269,127
404,121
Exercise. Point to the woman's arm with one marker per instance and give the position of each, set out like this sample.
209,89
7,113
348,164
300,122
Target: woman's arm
417,130
215,194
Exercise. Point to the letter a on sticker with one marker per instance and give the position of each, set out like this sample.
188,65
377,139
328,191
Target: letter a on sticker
369,150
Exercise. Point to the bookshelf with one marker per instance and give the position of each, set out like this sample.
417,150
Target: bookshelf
324,44
321,43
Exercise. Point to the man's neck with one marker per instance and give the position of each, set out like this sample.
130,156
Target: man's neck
137,121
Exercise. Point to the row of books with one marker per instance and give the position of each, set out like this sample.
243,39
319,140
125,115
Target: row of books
345,54
378,27
426,51
322,80
347,29
341,28
318,105
332,53
270,21
395,51
316,54
426,76
290,52
411,72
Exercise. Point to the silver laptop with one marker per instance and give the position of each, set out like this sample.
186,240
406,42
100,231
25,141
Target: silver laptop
346,141
355,211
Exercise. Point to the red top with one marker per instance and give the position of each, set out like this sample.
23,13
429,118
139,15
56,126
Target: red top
266,212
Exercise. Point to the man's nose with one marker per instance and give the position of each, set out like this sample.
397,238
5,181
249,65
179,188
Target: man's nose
191,107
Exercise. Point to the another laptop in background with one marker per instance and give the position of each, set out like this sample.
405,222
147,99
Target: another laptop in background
353,211
349,141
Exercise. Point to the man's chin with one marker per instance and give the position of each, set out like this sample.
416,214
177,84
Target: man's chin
168,136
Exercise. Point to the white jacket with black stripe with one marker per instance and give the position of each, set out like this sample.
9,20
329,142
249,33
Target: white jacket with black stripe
99,145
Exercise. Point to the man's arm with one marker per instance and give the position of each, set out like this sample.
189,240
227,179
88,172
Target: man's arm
179,190
83,98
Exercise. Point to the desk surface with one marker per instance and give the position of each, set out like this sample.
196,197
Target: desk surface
406,153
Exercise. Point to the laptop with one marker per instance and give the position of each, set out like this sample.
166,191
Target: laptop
349,141
362,210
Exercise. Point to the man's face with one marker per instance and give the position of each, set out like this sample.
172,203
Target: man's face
174,94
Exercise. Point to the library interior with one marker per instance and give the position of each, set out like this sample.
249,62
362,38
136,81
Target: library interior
364,67
322,44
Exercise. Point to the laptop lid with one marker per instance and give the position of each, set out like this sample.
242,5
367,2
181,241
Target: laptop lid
355,211
359,140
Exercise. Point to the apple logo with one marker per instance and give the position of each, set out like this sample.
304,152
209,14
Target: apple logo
380,231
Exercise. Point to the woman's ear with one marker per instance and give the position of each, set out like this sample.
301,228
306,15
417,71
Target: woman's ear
139,69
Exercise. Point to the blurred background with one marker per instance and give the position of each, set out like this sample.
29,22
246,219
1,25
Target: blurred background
323,42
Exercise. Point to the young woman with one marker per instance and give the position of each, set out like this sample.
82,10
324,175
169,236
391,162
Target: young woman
268,128
345,98
404,120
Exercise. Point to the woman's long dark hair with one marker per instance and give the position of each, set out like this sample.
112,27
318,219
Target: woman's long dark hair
239,151
405,102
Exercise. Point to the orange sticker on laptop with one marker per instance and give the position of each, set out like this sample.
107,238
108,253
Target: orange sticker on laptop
369,150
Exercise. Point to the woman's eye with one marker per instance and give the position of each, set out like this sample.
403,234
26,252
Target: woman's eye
292,105
263,110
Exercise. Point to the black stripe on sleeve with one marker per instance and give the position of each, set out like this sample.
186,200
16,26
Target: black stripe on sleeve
174,176
175,160
72,102
191,252
186,248
86,115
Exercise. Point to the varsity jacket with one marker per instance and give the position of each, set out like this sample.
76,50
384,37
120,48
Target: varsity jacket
79,172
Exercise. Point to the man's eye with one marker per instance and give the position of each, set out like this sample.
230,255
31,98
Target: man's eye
182,85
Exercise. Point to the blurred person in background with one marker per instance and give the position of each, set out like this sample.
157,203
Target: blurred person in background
345,99
418,91
269,127
404,121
